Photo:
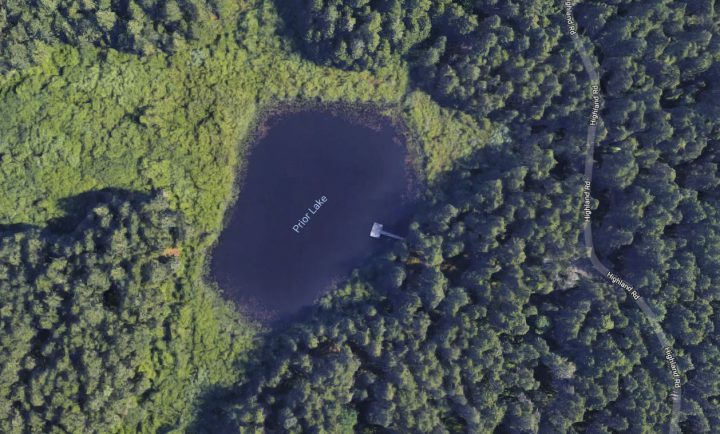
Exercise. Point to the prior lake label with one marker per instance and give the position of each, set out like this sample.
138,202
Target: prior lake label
311,211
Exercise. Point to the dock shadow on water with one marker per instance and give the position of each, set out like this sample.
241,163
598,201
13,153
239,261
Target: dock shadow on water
314,186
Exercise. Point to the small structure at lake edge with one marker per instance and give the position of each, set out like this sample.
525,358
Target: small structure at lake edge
327,177
377,231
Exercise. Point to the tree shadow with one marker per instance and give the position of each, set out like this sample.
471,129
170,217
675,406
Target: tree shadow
213,416
15,228
77,207
286,28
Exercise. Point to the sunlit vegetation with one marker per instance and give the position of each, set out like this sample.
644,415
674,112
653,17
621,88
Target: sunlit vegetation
93,320
173,123
486,319
136,26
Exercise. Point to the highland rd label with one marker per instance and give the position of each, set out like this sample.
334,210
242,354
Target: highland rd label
312,210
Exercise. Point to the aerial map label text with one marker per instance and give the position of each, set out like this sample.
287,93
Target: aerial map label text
311,211
587,211
673,367
572,28
624,285
596,105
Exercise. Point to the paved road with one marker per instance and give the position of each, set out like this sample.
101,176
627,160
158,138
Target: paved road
594,78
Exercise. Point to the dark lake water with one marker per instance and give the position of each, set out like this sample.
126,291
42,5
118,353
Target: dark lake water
284,244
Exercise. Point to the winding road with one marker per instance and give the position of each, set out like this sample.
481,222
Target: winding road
594,78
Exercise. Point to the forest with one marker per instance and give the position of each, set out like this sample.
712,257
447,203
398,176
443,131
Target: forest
123,126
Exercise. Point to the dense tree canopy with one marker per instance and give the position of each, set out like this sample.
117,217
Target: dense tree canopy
358,34
482,320
140,26
477,56
658,172
82,313
487,318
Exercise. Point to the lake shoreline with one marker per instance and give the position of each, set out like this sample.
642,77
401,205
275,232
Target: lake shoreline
369,116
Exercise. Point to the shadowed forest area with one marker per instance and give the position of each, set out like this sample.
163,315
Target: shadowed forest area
487,318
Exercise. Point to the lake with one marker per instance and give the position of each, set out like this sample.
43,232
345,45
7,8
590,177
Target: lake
314,185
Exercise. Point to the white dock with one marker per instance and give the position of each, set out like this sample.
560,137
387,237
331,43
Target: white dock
377,231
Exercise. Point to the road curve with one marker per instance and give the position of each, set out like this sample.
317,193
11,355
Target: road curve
594,79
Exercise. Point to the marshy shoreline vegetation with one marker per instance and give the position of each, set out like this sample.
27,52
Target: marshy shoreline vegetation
367,115
83,118
486,319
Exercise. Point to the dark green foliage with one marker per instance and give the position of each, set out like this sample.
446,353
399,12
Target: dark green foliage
357,34
493,325
487,319
658,174
502,60
82,315
138,26
448,349
484,58
507,332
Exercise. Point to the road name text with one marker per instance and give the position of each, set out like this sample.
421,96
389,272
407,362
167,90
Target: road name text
587,212
673,367
595,114
572,27
623,284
